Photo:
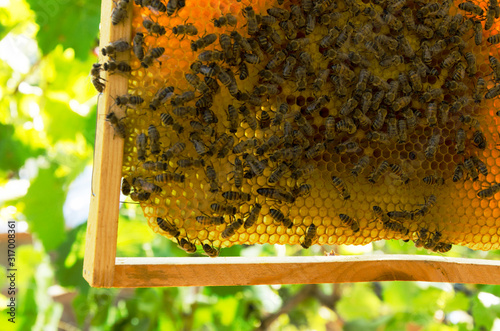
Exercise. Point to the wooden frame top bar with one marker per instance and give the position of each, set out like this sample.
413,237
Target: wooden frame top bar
230,271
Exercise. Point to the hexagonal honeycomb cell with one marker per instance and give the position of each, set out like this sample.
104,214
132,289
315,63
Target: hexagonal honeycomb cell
315,122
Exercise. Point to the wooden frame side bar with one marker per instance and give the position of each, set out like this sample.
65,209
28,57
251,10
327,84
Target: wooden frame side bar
230,271
102,227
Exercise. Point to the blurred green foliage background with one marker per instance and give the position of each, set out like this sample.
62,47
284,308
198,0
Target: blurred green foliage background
47,128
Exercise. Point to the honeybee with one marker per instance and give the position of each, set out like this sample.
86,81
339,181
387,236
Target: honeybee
391,61
490,18
117,124
172,7
211,251
256,165
252,25
168,227
97,80
252,217
154,139
495,65
155,166
251,120
433,240
431,149
303,124
154,27
403,132
341,187
377,136
442,247
140,196
348,106
395,225
126,188
141,145
315,151
392,128
360,166
429,203
346,125
146,186
203,42
114,47
411,119
455,86
401,103
278,216
489,192
232,228
379,120
168,177
270,144
187,246
310,24
302,190
479,90
245,145
162,96
450,60
470,121
190,162
235,195
481,166
471,8
151,55
329,38
309,236
492,92
119,13
379,172
317,104
458,174
380,214
113,66
349,221
362,118
303,172
432,114
433,180
185,30
224,20
471,169
276,194
479,140
176,149
199,145
423,236
223,209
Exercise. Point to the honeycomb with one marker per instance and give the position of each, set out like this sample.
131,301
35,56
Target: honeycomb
371,122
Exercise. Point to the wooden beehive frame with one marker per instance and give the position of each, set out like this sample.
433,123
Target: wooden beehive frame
103,269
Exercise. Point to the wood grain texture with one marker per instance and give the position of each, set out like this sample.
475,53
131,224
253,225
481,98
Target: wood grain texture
224,271
100,249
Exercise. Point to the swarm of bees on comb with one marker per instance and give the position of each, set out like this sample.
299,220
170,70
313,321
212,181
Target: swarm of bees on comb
310,122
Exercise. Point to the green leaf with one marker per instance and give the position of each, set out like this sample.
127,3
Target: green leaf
458,302
14,152
482,316
359,301
74,24
28,309
62,123
360,324
44,208
69,264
